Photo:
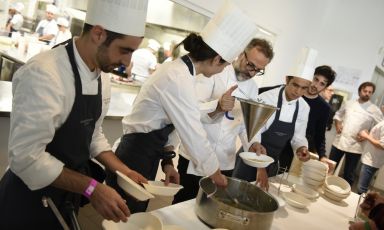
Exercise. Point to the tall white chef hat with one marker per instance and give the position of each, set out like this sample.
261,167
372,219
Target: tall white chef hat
18,6
305,65
122,16
51,8
229,31
62,22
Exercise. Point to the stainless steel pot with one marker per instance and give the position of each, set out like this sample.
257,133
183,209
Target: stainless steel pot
240,206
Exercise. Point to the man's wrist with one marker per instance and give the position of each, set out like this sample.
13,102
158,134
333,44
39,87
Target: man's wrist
90,189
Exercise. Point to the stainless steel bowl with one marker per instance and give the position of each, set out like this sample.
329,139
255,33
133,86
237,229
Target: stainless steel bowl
240,206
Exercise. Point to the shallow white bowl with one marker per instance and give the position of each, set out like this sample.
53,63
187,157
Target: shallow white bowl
316,164
310,168
137,221
254,160
332,196
337,184
132,188
158,188
305,191
313,175
296,200
312,182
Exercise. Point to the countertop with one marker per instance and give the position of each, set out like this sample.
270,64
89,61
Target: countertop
322,213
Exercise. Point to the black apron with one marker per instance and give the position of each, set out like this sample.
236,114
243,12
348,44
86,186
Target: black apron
274,140
21,208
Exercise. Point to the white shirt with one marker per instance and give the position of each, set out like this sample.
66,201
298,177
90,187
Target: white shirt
222,134
168,97
43,95
372,155
17,21
287,111
49,27
62,36
143,60
355,117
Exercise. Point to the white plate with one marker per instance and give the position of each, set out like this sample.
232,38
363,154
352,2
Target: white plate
296,200
132,188
254,160
305,191
137,221
158,188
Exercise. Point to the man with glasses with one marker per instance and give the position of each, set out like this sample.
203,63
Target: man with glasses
221,115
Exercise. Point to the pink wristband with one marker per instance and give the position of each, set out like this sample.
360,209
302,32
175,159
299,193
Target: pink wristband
91,187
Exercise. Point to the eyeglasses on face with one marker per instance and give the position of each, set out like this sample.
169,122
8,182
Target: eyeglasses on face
252,67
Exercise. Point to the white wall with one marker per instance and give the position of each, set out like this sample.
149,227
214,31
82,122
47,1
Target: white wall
344,32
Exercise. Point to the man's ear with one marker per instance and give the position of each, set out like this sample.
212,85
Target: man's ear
98,34
216,60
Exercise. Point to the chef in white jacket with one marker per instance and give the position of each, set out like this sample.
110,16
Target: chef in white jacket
167,101
47,28
223,134
288,123
350,119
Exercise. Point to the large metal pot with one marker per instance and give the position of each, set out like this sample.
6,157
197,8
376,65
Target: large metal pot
240,206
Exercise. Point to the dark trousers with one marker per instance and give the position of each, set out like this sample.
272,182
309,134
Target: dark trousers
351,161
189,182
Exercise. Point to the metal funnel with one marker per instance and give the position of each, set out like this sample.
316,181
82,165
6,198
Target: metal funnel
255,115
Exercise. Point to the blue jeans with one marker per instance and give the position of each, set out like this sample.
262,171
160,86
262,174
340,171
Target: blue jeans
366,174
351,161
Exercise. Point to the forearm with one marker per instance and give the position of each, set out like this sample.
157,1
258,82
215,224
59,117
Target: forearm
72,181
374,142
46,37
112,163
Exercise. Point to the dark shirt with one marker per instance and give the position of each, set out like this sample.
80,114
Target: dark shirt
317,123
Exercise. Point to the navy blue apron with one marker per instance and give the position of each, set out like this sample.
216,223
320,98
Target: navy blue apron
21,208
274,140
142,152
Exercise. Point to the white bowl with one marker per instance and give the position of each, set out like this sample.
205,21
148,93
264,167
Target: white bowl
254,160
337,184
158,188
313,175
137,221
332,196
316,164
296,200
340,195
305,191
320,171
312,182
132,188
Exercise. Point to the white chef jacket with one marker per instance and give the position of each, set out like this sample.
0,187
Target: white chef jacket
286,115
17,21
355,117
50,27
372,155
142,61
43,96
62,36
222,134
168,97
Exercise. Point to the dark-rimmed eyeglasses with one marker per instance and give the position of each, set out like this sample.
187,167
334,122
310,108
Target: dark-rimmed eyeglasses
252,68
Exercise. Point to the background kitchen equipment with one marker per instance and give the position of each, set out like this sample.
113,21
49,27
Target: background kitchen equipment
254,208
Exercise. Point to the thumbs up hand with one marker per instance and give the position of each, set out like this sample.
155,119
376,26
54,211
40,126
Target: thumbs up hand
227,102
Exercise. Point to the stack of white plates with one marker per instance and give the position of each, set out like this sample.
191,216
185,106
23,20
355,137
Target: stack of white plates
314,173
305,191
336,188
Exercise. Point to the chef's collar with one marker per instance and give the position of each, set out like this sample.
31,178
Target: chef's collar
83,68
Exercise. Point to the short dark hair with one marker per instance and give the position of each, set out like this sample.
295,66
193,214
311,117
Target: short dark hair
110,34
198,49
261,45
367,84
327,72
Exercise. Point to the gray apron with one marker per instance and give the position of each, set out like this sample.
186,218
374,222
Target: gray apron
274,140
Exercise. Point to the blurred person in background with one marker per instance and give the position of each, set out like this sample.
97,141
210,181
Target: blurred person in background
16,20
64,33
144,61
354,116
47,28
327,93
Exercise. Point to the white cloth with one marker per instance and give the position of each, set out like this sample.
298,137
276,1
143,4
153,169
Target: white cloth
286,114
355,117
43,95
168,97
62,36
143,60
372,155
222,134
17,21
49,27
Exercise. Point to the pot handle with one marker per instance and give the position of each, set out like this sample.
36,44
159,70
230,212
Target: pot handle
230,217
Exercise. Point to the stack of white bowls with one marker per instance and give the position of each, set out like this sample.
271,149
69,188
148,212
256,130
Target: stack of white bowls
314,173
336,188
